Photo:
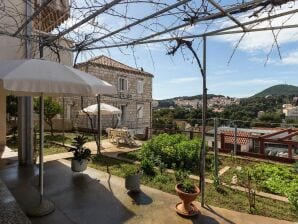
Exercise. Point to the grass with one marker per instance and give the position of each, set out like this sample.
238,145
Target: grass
68,137
226,198
50,149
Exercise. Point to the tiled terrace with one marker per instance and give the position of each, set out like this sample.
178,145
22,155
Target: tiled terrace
96,197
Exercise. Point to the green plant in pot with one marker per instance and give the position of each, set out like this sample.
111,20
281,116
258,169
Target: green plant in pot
81,154
187,192
132,178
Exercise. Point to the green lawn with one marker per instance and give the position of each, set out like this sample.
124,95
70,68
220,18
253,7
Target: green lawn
227,198
68,137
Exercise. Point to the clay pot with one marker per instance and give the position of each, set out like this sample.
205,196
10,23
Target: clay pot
187,198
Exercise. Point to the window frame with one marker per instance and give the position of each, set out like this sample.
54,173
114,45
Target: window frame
140,86
120,84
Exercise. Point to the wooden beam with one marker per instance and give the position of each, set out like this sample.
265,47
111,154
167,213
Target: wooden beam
275,133
288,136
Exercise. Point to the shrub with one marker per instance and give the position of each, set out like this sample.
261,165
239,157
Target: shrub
131,170
172,149
185,184
293,198
147,166
80,151
162,179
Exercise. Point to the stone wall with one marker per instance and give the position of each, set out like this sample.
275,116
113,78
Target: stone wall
130,99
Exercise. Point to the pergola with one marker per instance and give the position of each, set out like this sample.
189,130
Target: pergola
95,25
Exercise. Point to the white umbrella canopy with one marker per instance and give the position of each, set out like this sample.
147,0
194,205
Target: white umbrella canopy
105,109
29,77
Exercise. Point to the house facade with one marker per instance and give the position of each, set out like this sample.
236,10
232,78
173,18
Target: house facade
133,98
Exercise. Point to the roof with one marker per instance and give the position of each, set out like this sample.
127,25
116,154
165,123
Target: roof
105,61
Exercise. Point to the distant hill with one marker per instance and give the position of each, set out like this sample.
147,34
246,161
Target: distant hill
170,102
279,90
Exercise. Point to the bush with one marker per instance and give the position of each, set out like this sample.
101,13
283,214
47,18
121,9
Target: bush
172,149
131,170
147,166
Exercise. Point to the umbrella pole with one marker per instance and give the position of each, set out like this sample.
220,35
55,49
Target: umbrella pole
98,124
45,206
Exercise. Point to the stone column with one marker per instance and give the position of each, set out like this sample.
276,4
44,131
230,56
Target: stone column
25,130
2,121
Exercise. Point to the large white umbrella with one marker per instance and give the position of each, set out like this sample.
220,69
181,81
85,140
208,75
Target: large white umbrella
29,77
105,109
35,77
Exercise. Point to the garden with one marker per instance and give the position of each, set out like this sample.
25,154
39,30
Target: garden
180,154
52,142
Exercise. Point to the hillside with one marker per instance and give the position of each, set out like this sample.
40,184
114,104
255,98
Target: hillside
279,90
170,102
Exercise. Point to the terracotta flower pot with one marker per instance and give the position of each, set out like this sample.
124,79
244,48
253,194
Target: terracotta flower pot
187,199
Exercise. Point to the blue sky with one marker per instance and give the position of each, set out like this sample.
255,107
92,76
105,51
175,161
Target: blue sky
244,76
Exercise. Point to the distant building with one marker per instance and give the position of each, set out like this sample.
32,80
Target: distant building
267,141
290,111
260,113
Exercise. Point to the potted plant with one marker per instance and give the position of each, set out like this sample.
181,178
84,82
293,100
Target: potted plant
81,154
187,192
132,178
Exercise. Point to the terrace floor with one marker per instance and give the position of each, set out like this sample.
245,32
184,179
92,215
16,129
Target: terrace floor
96,197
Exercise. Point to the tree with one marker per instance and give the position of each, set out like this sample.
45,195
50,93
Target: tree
12,106
51,109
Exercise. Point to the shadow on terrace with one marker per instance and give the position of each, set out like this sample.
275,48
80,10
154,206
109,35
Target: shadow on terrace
78,198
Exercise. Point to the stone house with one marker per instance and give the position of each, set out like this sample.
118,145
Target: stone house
133,98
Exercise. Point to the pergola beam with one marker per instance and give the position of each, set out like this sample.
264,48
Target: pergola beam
289,136
136,23
216,5
211,33
44,4
205,18
83,21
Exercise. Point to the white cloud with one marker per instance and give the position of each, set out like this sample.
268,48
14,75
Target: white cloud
290,59
224,72
184,80
262,41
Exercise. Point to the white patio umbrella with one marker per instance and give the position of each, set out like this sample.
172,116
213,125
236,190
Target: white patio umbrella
35,77
105,109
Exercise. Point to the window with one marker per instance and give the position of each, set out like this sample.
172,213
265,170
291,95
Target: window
140,110
122,84
140,86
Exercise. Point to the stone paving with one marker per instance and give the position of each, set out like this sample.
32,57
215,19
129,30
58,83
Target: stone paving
96,197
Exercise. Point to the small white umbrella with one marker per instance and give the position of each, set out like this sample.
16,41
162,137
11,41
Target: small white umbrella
105,109
35,77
